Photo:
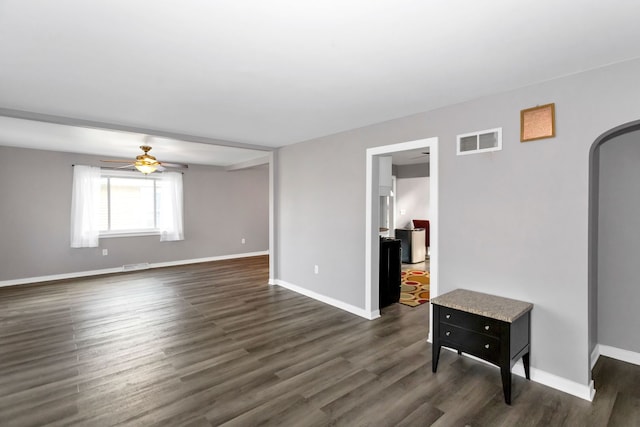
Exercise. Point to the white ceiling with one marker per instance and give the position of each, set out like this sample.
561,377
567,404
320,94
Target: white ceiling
272,73
117,144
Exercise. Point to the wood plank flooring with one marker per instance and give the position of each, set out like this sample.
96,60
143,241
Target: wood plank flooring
212,344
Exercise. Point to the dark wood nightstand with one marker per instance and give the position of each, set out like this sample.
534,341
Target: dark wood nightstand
492,328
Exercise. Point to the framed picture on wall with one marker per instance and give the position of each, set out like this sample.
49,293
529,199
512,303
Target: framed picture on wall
538,123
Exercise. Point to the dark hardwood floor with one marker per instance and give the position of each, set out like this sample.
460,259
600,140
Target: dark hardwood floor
212,344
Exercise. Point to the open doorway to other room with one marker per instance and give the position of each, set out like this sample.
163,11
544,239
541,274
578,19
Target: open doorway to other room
402,224
408,221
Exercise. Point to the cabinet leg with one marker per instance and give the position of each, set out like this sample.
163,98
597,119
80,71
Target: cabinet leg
525,362
506,383
435,356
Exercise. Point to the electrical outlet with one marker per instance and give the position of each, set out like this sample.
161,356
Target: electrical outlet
105,252
316,269
243,241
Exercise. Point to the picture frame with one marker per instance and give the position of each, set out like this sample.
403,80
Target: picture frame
538,122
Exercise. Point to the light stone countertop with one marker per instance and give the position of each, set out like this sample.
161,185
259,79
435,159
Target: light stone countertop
500,308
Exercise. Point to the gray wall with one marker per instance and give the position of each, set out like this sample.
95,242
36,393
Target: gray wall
619,243
512,223
220,208
412,197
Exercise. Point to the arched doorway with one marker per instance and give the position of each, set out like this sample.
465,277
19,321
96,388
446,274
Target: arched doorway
614,241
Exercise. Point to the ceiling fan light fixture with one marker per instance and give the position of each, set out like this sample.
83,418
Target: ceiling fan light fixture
146,168
146,163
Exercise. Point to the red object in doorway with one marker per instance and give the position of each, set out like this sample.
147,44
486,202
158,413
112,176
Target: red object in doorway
423,223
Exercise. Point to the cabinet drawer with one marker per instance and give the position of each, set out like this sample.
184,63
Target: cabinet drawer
470,321
475,343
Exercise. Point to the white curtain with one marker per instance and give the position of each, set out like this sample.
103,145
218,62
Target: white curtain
171,224
85,207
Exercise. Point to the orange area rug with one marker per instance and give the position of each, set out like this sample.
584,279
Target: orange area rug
414,287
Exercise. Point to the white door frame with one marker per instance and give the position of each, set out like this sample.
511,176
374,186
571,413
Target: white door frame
371,232
272,219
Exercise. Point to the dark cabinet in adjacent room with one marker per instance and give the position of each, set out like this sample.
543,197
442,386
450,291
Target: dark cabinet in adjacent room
390,267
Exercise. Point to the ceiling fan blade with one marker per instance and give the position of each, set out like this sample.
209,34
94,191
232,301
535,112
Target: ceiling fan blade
175,165
125,166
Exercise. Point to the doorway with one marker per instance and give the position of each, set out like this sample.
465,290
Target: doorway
372,220
614,205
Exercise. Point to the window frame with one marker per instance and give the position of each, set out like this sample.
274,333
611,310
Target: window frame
113,173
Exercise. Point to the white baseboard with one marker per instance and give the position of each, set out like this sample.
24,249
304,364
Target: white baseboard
619,354
328,300
583,391
63,276
74,275
586,392
208,259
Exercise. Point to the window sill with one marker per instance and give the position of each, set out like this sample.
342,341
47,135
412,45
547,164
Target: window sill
113,234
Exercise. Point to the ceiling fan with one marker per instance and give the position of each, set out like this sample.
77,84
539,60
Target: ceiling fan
146,163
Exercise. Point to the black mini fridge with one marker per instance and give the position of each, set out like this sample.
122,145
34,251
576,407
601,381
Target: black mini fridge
390,267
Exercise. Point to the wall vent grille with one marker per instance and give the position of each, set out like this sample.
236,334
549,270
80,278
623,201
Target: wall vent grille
480,142
131,267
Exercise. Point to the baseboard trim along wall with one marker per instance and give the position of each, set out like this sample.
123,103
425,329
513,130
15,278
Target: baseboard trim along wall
129,267
615,353
583,391
374,314
586,392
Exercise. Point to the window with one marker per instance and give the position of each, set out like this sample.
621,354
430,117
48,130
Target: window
479,142
108,203
129,203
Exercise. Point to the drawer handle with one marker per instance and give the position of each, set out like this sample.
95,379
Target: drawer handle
486,346
448,316
486,328
448,333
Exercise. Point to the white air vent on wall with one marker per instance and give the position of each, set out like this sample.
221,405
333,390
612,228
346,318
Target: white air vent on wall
480,142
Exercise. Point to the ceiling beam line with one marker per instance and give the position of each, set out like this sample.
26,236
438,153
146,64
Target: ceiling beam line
91,124
248,164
